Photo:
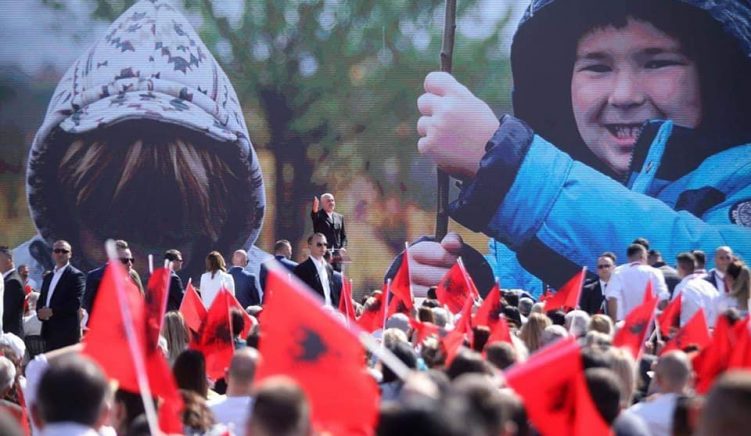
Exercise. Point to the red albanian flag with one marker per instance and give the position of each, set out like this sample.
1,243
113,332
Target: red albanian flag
567,296
157,290
345,300
108,343
304,342
215,338
631,334
695,332
247,320
741,354
192,309
423,330
670,316
452,291
555,392
401,285
489,312
500,332
714,359
371,318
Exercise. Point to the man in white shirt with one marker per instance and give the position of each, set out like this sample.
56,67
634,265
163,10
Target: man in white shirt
626,288
317,273
233,410
671,378
696,292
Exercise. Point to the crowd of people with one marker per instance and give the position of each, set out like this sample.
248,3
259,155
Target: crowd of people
449,390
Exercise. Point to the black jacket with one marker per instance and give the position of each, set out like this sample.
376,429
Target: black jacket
63,328
13,301
308,273
332,228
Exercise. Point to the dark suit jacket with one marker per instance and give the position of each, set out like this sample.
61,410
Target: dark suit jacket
592,297
63,328
176,291
671,275
94,278
245,287
290,265
13,300
308,273
332,227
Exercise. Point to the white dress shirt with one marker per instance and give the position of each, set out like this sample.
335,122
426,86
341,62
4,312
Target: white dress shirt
657,413
628,283
697,293
323,274
233,412
53,283
210,286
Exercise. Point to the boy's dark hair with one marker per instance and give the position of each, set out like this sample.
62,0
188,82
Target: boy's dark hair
133,405
558,317
72,374
189,370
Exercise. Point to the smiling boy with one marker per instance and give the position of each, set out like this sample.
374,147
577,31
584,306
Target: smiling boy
632,120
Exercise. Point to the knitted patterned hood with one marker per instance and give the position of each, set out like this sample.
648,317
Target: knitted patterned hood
150,67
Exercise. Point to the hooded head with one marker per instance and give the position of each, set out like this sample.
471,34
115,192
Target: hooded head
144,140
713,37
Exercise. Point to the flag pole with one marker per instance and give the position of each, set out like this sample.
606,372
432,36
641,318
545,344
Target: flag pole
409,273
447,53
385,302
151,264
136,352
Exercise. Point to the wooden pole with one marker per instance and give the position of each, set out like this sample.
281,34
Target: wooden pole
447,55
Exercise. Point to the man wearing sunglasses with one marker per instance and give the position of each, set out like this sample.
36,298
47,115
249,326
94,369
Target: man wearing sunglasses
317,273
94,277
593,293
60,300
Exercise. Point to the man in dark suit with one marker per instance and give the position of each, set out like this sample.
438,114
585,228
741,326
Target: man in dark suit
176,289
317,273
14,295
654,259
593,293
94,277
331,225
60,300
246,291
283,254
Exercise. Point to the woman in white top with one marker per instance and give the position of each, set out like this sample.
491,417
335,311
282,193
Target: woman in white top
215,278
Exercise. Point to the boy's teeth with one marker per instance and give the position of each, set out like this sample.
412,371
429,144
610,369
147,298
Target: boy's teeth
622,131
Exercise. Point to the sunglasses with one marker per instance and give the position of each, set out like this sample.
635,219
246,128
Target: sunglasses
60,250
603,266
321,244
127,260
